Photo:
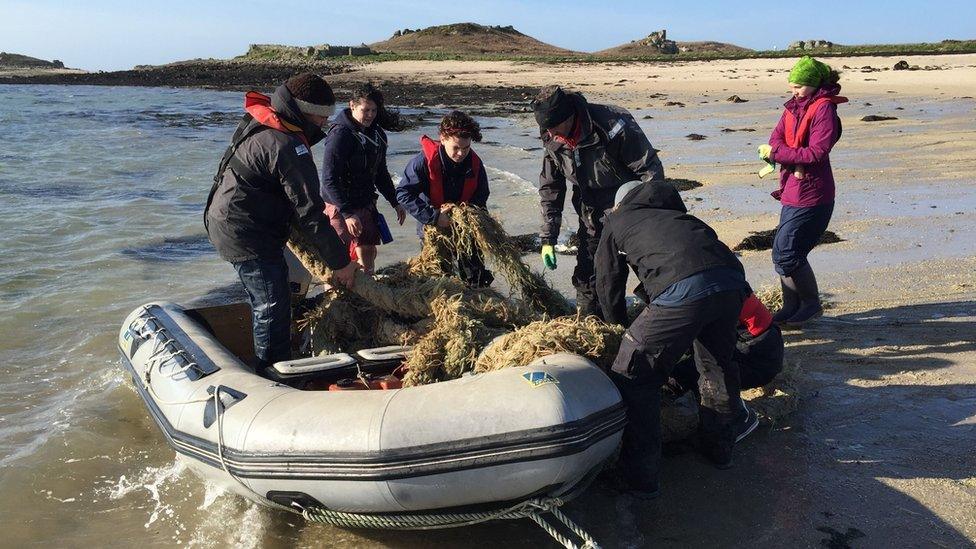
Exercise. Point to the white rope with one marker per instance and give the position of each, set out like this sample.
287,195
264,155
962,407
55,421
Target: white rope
156,359
218,409
533,509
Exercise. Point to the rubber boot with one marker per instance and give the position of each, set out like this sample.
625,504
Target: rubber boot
716,437
806,287
791,300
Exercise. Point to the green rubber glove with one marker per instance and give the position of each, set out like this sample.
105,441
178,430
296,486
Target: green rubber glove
764,151
549,256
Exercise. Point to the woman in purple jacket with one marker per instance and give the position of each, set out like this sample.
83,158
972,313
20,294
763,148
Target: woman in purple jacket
801,144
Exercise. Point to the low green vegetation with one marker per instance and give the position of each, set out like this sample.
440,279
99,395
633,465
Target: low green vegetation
937,48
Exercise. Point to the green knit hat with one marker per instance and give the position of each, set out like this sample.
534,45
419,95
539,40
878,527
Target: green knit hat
809,72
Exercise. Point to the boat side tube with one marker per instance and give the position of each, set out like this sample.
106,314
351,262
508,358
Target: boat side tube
492,437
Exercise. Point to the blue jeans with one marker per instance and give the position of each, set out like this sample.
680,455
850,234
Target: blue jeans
266,284
798,232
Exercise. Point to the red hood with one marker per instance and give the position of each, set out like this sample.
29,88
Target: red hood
755,316
258,105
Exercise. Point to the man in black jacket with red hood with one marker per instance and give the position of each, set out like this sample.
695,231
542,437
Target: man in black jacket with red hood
266,183
592,149
696,287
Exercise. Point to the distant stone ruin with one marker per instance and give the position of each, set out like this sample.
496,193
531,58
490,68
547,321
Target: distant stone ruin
811,45
659,41
277,52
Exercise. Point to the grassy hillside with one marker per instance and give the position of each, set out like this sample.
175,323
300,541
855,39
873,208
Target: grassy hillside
467,39
15,60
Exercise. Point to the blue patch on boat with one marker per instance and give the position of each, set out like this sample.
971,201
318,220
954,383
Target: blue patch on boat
538,378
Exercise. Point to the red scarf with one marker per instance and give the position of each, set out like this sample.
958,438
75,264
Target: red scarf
572,140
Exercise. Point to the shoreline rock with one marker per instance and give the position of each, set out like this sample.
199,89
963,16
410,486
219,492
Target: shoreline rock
243,76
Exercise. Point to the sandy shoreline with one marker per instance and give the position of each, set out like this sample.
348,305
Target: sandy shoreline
880,451
630,83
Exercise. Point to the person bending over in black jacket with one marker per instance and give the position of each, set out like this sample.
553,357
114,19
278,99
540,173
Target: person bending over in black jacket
696,288
265,183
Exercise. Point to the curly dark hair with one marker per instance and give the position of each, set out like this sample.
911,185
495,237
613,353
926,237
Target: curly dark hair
388,119
459,124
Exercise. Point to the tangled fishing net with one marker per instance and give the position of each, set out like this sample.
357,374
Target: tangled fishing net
454,328
420,303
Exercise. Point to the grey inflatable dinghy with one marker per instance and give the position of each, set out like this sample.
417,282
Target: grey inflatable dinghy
517,434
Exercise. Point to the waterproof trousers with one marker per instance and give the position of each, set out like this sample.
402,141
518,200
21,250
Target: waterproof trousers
798,232
759,360
651,346
584,275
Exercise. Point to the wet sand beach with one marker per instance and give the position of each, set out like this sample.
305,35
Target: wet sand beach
878,454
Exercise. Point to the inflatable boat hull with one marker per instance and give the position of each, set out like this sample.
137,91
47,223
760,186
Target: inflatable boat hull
511,434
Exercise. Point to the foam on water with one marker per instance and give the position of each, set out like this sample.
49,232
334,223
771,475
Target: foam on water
151,480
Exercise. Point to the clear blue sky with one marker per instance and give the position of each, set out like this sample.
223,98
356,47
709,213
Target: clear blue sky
112,34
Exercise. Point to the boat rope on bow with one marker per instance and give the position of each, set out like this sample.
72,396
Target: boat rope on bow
532,509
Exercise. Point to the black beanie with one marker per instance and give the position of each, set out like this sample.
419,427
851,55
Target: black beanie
310,91
552,106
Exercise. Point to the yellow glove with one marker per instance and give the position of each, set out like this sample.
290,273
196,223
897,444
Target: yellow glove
764,152
549,256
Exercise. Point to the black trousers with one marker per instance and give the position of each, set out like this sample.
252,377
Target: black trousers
759,360
651,346
584,275
470,268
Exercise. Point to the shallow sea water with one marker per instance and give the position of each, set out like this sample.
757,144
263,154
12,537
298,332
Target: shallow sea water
101,197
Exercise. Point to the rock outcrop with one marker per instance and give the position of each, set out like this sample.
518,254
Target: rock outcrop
811,45
17,61
659,41
279,53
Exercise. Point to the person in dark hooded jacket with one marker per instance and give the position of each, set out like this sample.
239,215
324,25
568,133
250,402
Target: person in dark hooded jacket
801,142
696,287
267,183
596,149
354,169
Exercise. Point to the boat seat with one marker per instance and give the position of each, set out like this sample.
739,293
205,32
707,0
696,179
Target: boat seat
301,370
385,354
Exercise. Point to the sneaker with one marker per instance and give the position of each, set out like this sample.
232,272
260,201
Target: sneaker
746,424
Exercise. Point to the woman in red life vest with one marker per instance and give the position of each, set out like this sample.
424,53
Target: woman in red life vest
354,169
801,143
445,173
